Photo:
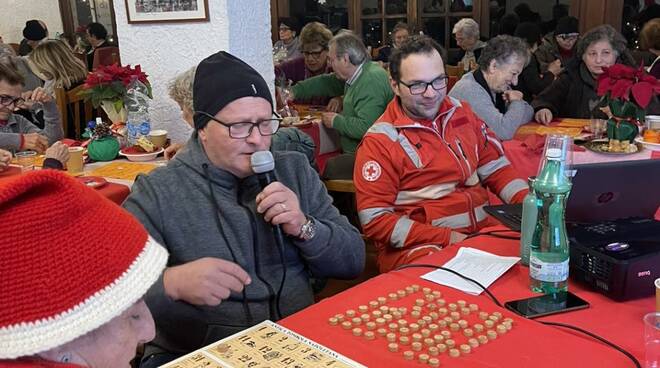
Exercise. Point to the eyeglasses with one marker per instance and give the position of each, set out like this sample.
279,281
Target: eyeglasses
6,100
568,36
313,54
421,87
242,130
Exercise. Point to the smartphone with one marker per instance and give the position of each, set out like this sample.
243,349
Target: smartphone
547,304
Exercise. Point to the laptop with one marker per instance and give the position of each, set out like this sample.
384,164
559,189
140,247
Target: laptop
602,193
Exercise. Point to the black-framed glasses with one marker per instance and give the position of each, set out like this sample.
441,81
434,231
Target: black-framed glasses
568,36
314,54
240,130
419,88
6,100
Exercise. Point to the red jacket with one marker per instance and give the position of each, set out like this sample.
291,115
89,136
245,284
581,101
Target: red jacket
417,181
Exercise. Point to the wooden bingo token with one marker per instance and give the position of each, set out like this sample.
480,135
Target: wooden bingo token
465,311
356,321
403,310
415,314
431,306
384,309
429,297
417,337
508,325
455,316
423,358
433,327
437,293
416,308
388,317
401,293
463,323
380,321
393,327
498,315
426,290
415,287
438,338
429,342
421,323
419,302
501,329
489,324
442,323
416,346
492,335
363,309
402,322
346,325
465,348
369,335
494,318
433,350
373,304
392,296
425,332
461,303
473,342
404,331
450,343
404,340
448,319
427,319
483,315
357,331
478,327
340,317
454,327
381,332
409,290
350,313
222,348
408,355
510,320
434,362
473,307
440,302
445,333
468,332
452,307
454,353
442,312
365,317
377,314
381,300
371,326
441,348
396,314
333,321
391,337
393,347
482,339
414,327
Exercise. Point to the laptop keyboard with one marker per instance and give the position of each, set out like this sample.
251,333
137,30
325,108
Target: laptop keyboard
602,228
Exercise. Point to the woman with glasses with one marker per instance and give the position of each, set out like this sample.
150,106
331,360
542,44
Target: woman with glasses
489,91
573,94
288,46
558,47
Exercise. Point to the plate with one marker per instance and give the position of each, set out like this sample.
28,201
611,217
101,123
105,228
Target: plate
95,182
141,157
600,147
649,145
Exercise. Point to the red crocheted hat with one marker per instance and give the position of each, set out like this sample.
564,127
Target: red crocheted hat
70,261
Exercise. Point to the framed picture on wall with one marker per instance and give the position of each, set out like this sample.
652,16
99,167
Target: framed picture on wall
157,11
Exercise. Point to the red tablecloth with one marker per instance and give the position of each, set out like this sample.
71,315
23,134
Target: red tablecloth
528,344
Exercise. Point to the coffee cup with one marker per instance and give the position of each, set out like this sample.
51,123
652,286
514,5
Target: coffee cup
75,163
158,137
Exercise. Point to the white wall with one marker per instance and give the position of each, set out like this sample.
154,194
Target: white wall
16,12
167,49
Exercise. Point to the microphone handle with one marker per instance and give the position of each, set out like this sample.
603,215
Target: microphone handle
265,179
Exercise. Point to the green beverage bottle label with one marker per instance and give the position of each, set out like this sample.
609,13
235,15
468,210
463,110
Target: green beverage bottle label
548,271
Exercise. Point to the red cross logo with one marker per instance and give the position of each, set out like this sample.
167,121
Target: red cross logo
371,171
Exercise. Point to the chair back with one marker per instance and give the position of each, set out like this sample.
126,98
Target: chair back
73,107
454,71
106,56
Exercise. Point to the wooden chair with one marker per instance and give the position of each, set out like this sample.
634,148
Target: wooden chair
106,56
73,107
454,71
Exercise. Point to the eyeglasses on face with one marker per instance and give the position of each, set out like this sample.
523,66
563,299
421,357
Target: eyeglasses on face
568,36
419,88
7,100
313,54
240,130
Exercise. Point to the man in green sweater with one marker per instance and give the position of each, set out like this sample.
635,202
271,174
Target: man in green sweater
365,87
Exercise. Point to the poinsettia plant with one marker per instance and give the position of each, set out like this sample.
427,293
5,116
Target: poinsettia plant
108,85
627,90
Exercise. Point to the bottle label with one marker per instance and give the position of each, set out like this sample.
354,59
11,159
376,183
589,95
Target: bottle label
546,271
135,131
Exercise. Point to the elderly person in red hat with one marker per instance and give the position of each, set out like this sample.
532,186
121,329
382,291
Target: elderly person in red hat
71,291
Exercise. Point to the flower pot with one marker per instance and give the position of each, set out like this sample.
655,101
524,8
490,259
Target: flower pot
622,129
104,149
115,110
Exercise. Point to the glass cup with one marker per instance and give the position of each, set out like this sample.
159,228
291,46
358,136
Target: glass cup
652,339
26,160
75,163
598,127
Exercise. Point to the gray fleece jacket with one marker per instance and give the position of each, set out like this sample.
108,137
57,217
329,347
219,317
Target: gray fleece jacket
10,134
197,210
504,125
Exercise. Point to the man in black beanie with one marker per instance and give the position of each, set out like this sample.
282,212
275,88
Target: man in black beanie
226,270
34,31
558,47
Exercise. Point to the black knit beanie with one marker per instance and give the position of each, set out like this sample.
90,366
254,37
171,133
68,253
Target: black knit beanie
221,79
566,25
34,31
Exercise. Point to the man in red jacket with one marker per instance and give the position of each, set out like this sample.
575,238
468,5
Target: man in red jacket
422,169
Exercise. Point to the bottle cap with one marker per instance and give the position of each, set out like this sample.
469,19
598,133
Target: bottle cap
553,153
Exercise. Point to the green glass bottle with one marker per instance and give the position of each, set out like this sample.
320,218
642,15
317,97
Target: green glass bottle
549,252
528,223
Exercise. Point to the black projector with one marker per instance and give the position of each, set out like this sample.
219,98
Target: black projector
620,259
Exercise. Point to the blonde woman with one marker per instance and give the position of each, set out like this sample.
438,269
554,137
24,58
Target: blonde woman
54,62
181,91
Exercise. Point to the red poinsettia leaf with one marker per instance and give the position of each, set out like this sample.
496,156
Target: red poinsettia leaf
642,91
604,84
621,89
618,71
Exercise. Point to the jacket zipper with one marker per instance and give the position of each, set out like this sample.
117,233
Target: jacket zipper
473,215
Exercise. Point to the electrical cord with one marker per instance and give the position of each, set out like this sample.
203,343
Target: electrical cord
497,302
496,234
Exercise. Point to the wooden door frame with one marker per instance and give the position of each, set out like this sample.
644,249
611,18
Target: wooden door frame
66,13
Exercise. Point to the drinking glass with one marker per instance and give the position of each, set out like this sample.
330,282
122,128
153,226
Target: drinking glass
26,160
598,127
652,339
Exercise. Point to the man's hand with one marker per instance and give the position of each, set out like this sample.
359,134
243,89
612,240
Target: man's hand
512,95
5,159
35,142
58,151
206,281
172,149
39,94
279,206
456,237
555,67
543,116
328,118
336,104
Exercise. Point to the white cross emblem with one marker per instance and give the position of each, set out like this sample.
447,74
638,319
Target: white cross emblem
371,171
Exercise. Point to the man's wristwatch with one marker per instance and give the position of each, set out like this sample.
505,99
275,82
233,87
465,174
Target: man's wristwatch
308,230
